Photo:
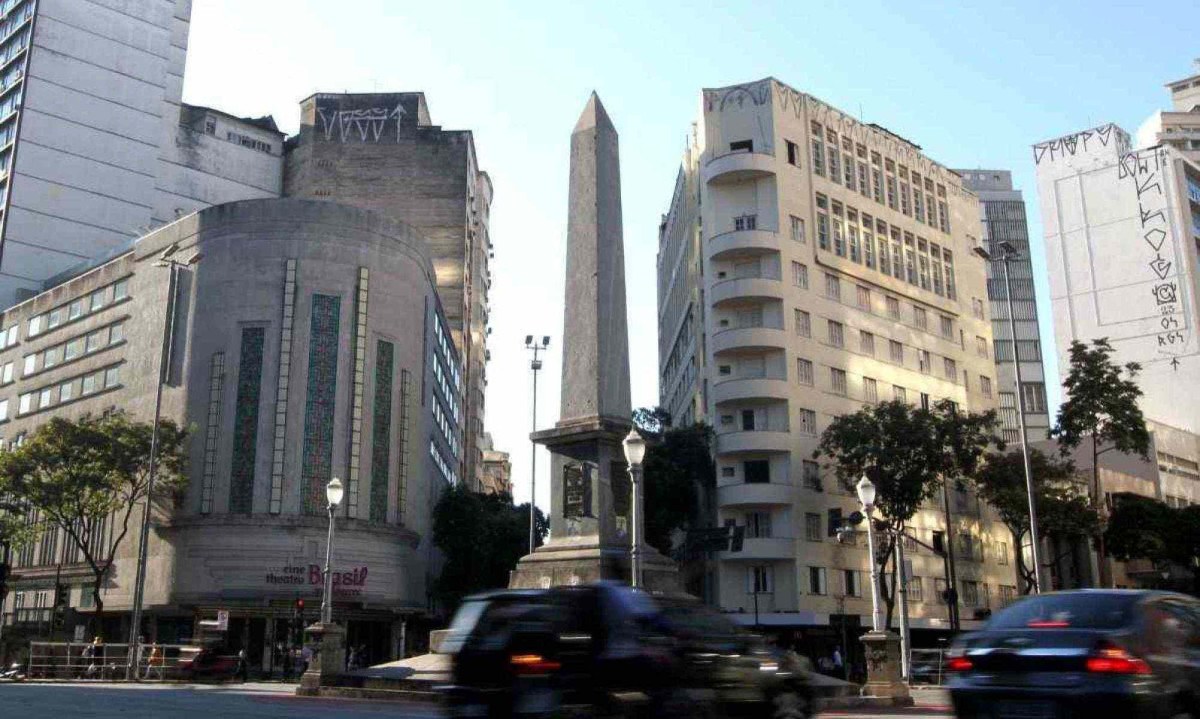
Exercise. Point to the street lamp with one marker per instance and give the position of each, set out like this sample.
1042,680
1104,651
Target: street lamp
866,496
535,365
635,452
333,493
1009,254
166,259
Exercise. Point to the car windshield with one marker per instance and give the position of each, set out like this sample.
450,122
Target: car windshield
1067,611
700,624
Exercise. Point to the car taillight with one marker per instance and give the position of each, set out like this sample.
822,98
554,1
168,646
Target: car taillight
533,664
959,664
1110,659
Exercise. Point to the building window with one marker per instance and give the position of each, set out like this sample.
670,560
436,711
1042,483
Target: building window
1033,397
837,380
977,307
25,403
981,346
816,580
745,222
748,420
210,125
920,318
852,585
822,230
899,393
950,367
923,361
808,422
985,385
818,150
915,590
812,527
896,351
793,153
803,323
798,229
836,334
947,327
866,342
317,454
833,287
381,430
893,308
6,373
245,422
804,371
811,475
870,390
761,579
800,275
758,525
970,593
1002,553
756,471
924,400
864,298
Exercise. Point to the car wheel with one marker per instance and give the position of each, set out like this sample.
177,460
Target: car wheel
789,705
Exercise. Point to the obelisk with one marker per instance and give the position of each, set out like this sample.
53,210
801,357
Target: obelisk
589,481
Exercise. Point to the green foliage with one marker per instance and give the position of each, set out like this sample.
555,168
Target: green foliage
77,474
651,422
1101,402
1140,528
678,471
481,537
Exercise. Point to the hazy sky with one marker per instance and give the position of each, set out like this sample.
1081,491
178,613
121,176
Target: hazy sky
975,84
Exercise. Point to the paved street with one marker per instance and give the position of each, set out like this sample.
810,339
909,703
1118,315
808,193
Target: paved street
236,701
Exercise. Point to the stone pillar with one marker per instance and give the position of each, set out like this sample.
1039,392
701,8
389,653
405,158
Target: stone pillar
328,643
883,668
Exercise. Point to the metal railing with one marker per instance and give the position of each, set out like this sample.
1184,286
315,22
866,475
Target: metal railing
81,660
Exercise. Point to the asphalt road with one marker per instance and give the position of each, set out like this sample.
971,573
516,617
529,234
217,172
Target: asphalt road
238,701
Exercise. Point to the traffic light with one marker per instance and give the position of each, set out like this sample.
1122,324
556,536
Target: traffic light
298,621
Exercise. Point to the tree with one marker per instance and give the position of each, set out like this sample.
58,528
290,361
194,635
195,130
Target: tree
905,451
679,474
1061,510
1101,406
1139,528
651,422
481,537
78,475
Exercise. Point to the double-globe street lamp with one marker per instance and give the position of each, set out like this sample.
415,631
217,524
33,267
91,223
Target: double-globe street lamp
635,452
333,494
866,496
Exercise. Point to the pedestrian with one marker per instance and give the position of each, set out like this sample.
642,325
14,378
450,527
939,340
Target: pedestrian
243,669
94,653
838,667
305,658
287,665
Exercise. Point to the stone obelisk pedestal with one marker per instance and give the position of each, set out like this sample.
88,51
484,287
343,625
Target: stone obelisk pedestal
883,668
589,480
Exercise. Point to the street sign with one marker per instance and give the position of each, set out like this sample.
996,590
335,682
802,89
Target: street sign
79,632
223,620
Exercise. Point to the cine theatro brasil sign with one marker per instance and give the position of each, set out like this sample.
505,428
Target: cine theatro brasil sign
347,584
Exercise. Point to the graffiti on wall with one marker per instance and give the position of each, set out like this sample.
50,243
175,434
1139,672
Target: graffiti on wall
364,125
1068,145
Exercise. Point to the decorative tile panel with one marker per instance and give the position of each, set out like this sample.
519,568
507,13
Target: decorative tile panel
381,431
212,431
317,459
281,389
245,422
356,397
405,443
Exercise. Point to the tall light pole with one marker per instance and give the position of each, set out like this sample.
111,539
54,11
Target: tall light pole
535,365
166,259
866,496
333,494
635,452
1009,254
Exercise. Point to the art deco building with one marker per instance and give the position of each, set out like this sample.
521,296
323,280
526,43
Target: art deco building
810,264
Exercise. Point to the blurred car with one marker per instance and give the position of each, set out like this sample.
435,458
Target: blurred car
606,649
208,662
1087,653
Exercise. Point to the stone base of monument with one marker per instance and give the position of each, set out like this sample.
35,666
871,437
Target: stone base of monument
328,661
569,563
883,669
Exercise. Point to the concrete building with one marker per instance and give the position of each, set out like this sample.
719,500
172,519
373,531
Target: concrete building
382,152
497,469
1002,211
810,263
1178,127
89,100
309,343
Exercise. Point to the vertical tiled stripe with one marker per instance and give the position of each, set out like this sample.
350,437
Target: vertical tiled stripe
216,384
356,400
381,431
402,455
245,421
281,390
316,466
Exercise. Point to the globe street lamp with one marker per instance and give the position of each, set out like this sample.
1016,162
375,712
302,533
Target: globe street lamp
866,496
635,452
333,493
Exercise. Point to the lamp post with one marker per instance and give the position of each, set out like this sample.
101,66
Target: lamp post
167,260
866,496
333,493
635,452
1009,254
535,365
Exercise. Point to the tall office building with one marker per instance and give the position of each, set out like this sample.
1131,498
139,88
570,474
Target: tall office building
1002,212
1178,127
89,101
809,264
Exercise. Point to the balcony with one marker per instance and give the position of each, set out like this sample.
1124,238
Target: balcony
763,548
764,493
739,338
750,388
746,288
738,166
743,242
756,441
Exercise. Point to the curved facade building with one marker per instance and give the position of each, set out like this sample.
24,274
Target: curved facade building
308,343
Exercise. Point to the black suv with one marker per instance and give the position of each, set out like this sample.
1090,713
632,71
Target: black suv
608,650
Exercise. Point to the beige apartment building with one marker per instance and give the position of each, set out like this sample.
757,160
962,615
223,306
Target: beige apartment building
810,264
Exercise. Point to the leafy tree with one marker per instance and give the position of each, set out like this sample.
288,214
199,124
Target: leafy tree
1061,510
679,475
79,474
651,422
481,537
1101,406
905,451
1139,528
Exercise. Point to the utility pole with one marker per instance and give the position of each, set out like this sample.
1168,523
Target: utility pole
535,365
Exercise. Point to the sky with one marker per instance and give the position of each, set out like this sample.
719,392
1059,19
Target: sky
975,84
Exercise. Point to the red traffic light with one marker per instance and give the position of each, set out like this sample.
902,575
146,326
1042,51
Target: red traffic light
299,604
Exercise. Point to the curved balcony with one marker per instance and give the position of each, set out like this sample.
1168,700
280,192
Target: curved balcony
763,548
738,167
757,441
750,388
745,288
743,242
739,338
733,495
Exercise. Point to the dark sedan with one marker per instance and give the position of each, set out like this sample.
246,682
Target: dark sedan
1088,653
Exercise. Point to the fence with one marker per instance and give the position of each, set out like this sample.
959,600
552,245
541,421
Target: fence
927,667
80,660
